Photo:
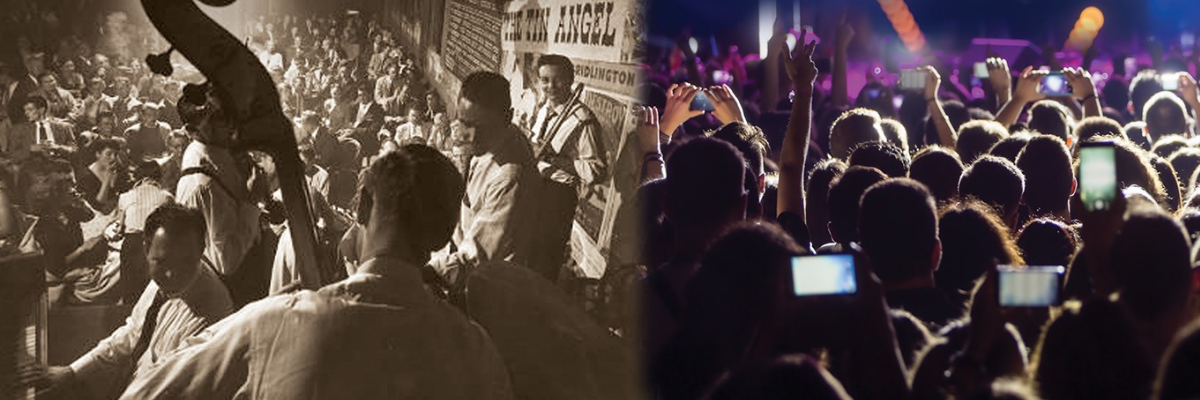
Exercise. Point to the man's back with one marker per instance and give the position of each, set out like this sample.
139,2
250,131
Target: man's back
376,334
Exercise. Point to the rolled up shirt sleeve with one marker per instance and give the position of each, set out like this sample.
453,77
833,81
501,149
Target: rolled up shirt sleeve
116,350
487,235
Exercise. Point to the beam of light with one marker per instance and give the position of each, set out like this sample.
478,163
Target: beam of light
1086,28
795,14
902,21
766,25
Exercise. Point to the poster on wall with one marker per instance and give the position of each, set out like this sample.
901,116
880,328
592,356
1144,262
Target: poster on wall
599,37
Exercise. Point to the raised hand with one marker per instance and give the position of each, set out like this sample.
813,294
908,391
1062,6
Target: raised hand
647,129
801,68
933,82
679,107
1082,86
1027,85
845,33
726,106
1187,89
999,76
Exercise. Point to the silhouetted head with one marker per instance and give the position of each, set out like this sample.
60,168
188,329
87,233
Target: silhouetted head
939,170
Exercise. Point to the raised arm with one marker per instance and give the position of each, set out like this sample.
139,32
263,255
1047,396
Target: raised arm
1084,90
1000,79
844,34
1027,91
679,108
652,166
726,106
803,72
933,81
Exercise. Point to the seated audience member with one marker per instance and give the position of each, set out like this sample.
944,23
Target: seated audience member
705,194
148,138
1167,145
317,342
1097,126
1050,117
1151,260
895,133
788,377
1091,352
185,297
939,170
733,296
898,230
816,202
853,128
1011,146
844,195
998,183
1165,114
104,179
886,157
975,138
1047,241
973,241
1049,177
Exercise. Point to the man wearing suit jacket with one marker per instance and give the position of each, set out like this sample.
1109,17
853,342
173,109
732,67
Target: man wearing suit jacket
40,133
368,120
14,87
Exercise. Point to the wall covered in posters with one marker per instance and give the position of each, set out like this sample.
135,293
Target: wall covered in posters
600,37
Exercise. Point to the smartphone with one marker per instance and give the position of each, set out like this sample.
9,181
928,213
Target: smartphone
1055,85
912,79
1187,40
1170,82
873,93
1033,286
981,70
722,77
700,102
897,100
1097,175
826,274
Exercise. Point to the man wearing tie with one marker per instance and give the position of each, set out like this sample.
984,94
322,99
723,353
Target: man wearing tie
40,133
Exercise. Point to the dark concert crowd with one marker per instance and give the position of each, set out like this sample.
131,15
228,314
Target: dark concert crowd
825,219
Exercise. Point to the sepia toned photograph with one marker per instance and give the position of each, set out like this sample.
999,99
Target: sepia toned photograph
350,199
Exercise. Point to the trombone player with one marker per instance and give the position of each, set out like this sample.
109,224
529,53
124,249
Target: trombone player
564,132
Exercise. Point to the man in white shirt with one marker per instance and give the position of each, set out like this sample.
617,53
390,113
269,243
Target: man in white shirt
184,297
379,334
212,181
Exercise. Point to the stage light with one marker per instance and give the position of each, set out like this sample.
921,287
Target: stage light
902,21
694,44
766,25
791,41
1086,27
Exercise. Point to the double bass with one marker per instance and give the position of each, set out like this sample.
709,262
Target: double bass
251,102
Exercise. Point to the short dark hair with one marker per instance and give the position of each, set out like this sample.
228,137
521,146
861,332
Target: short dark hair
420,189
976,137
489,90
704,180
1151,258
816,192
1177,376
994,181
1047,241
898,229
854,127
1097,126
147,169
740,275
1173,184
174,217
895,133
1049,176
1136,132
749,140
1011,146
1185,161
1169,144
885,156
37,101
557,60
1051,118
102,143
1144,85
844,196
1165,115
939,170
